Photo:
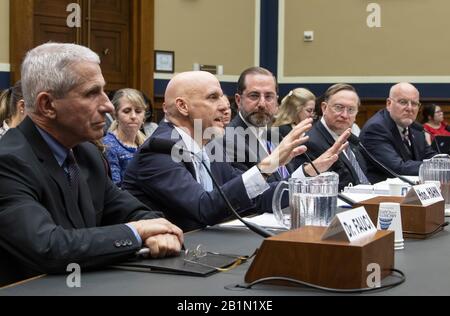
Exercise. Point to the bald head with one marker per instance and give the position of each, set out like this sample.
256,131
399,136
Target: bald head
194,95
403,104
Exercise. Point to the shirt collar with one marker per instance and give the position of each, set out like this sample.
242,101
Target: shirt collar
333,134
190,143
59,151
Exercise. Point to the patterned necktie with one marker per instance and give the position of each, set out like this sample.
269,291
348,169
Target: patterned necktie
73,173
203,177
407,140
282,170
352,158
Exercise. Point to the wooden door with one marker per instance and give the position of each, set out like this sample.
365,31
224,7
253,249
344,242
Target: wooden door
120,31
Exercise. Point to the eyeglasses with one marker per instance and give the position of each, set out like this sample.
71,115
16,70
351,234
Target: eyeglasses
339,109
255,96
406,102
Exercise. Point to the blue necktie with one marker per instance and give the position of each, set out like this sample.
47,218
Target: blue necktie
352,158
203,177
282,170
73,173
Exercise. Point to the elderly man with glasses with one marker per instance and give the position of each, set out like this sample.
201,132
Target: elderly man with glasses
340,107
393,136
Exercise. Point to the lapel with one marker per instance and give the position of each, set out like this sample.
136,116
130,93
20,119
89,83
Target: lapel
250,141
85,197
330,142
49,163
168,131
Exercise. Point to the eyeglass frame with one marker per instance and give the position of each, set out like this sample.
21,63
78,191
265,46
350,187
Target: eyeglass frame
414,104
344,108
254,99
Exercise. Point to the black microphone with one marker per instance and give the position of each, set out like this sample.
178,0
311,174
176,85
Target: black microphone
165,146
355,141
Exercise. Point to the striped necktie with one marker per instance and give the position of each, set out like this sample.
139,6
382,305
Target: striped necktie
282,170
359,172
73,173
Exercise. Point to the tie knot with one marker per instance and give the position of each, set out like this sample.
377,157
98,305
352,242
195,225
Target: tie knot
405,131
70,159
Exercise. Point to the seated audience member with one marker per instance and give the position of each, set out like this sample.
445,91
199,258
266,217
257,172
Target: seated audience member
394,138
57,204
12,108
124,136
149,126
249,139
339,111
182,189
226,119
297,106
433,122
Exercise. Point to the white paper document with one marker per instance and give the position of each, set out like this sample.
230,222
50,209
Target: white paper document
265,220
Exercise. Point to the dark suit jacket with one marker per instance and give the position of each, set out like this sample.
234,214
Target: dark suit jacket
171,187
243,148
41,228
382,138
320,140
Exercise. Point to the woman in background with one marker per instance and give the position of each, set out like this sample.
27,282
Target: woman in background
297,106
12,108
433,122
124,136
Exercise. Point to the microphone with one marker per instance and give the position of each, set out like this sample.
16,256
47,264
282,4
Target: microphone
165,146
355,141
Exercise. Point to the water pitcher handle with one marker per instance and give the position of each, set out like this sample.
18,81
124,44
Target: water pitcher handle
276,201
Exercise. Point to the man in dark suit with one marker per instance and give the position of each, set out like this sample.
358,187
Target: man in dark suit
248,139
182,188
394,138
339,108
57,204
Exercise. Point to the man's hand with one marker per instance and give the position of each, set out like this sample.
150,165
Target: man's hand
328,158
160,236
288,148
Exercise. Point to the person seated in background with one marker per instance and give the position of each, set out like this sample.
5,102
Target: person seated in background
57,204
12,108
149,126
249,137
394,138
433,122
339,110
182,188
124,136
226,119
297,106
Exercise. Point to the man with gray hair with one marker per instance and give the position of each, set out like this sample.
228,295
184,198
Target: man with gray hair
57,204
393,136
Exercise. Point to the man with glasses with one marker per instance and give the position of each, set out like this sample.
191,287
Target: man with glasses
248,139
393,136
340,107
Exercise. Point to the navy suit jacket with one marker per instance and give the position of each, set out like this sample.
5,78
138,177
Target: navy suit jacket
320,140
243,148
41,228
382,138
171,187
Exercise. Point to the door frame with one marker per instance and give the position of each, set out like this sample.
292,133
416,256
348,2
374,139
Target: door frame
142,41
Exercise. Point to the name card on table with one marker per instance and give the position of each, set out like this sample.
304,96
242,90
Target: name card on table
356,224
424,194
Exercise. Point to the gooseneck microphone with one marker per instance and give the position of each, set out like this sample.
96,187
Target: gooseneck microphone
165,146
355,141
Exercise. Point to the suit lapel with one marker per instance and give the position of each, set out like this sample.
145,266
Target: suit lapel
49,163
330,141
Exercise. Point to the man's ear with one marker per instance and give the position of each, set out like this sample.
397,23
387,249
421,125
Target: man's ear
324,107
182,106
238,98
45,105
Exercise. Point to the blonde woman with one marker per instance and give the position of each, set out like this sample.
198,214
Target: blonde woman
124,136
297,106
12,108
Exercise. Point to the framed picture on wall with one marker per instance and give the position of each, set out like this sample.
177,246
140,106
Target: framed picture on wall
164,61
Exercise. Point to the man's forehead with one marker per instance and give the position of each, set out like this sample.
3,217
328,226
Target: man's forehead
256,80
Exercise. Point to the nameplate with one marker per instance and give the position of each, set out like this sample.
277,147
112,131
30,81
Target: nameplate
355,224
424,194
